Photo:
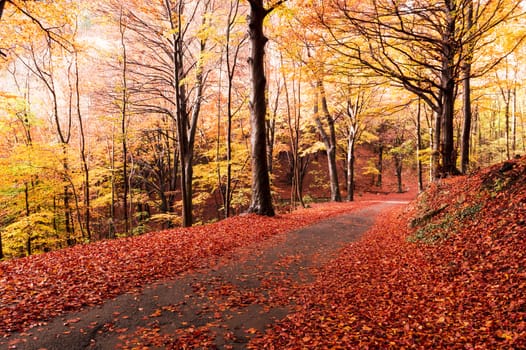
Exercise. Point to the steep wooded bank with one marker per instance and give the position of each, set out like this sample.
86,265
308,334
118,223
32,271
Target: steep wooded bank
448,272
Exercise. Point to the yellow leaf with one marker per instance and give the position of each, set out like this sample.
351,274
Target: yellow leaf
504,335
252,331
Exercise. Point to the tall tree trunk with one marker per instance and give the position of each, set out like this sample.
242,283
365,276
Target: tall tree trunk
436,150
466,126
83,156
261,202
186,123
448,92
186,134
293,115
124,133
506,93
28,212
68,217
507,125
353,112
514,121
271,131
111,221
228,185
398,169
350,166
231,63
329,139
448,154
419,146
380,165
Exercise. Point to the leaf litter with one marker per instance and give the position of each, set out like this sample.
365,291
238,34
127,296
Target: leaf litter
459,285
454,279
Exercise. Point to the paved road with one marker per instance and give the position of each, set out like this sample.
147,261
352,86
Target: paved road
222,307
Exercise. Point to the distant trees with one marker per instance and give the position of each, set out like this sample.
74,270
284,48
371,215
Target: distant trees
423,46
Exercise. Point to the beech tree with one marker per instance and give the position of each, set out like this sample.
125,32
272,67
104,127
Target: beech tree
42,64
300,147
327,130
356,109
167,71
317,61
233,46
261,202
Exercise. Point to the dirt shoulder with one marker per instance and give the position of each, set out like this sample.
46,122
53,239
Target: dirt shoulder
219,307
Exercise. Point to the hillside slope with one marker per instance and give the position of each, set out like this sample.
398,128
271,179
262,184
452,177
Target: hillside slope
447,272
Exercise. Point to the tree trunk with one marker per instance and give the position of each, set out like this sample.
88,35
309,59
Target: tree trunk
187,195
448,155
28,245
124,115
186,123
298,162
507,121
398,168
1,247
350,168
436,150
231,63
67,206
380,165
85,167
514,122
328,139
466,126
111,221
271,137
228,186
448,93
261,202
419,146
26,198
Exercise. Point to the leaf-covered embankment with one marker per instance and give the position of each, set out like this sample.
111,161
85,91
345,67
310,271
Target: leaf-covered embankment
448,272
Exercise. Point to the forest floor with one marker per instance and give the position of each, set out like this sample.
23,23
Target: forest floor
222,306
446,271
223,283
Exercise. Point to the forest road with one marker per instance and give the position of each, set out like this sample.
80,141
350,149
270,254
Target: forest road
222,307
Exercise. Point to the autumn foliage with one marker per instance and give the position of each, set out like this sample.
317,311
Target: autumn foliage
447,272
